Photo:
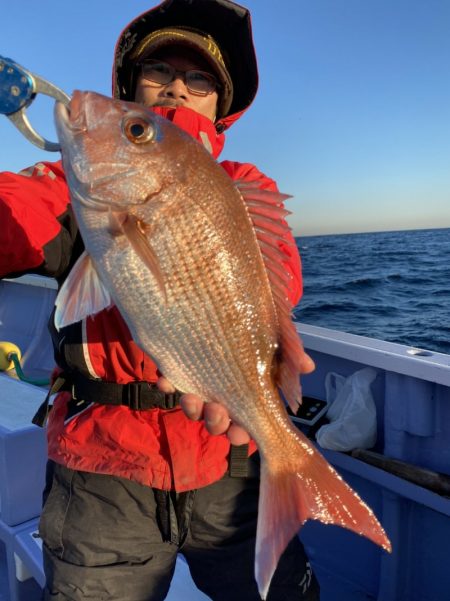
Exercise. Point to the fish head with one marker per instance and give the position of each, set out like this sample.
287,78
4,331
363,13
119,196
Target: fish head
115,154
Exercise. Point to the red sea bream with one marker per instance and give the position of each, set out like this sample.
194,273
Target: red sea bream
191,262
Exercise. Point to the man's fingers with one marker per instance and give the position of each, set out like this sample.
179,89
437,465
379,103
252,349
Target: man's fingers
217,420
307,365
165,386
192,406
237,435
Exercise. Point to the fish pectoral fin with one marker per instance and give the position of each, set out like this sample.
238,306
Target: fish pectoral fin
81,295
136,232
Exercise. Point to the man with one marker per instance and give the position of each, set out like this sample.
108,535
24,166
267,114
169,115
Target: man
132,480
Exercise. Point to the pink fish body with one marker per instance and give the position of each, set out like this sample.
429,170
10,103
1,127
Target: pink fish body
191,261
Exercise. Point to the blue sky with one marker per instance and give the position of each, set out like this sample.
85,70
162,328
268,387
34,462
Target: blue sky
352,117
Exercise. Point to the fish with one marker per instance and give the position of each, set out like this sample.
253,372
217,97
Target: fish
191,259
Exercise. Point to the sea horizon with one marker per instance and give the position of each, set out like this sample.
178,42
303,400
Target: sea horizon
296,235
392,285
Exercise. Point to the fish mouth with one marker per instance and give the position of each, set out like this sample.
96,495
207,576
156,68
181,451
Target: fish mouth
70,117
84,193
90,201
71,120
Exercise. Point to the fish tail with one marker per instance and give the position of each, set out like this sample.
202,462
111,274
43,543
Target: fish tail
290,495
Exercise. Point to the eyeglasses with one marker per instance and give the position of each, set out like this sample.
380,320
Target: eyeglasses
197,82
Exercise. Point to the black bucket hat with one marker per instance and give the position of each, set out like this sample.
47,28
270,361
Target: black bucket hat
226,23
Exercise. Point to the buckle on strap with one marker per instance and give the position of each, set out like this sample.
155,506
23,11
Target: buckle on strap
41,415
138,396
171,400
145,395
132,395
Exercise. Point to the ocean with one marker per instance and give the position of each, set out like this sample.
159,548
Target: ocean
393,286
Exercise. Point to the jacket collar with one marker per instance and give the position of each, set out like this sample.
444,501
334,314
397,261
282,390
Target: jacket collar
199,127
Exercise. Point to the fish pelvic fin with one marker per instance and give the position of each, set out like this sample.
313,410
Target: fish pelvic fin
289,496
136,232
81,295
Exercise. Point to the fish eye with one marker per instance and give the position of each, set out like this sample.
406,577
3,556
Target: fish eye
138,130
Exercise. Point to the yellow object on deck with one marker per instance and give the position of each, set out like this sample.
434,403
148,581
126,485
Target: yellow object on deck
6,350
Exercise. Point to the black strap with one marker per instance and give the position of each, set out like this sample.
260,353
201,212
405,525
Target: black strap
139,396
238,461
135,395
41,415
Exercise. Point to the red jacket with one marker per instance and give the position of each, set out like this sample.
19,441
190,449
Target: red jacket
159,448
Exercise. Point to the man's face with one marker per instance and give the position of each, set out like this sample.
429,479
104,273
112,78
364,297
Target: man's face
176,93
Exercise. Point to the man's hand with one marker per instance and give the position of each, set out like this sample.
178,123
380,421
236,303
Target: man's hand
217,418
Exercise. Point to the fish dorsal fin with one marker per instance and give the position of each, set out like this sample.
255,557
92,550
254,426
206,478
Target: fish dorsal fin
268,214
136,231
81,295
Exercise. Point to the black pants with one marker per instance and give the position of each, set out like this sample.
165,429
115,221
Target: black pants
111,539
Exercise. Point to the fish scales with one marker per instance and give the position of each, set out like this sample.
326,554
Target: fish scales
204,280
170,242
198,300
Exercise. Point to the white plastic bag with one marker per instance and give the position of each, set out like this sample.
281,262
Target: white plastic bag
352,412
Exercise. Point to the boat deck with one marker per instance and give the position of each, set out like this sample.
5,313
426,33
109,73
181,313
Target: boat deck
412,397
